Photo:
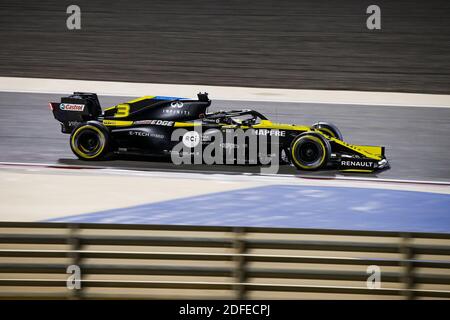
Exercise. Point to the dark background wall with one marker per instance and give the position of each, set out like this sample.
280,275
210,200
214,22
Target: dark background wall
288,44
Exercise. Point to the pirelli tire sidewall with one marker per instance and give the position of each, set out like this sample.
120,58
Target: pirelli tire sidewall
329,129
91,141
320,144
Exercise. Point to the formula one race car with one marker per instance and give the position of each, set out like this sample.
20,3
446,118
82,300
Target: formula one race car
146,126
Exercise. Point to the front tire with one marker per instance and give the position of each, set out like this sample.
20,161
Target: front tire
90,141
310,151
329,129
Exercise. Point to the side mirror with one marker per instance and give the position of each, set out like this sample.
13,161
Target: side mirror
203,97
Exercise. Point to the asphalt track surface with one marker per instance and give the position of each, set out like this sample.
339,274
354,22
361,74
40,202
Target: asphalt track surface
416,139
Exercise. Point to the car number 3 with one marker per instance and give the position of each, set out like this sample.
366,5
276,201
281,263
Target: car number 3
123,110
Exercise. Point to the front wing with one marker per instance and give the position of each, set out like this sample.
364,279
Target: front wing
356,158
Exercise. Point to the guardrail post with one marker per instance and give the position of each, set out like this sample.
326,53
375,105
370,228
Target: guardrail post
408,266
239,263
75,259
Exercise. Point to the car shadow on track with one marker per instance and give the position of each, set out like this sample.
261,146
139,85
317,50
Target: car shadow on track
151,163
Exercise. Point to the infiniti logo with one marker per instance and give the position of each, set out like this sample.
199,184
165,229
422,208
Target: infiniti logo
176,104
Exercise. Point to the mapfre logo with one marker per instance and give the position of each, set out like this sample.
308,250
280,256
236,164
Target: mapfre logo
71,107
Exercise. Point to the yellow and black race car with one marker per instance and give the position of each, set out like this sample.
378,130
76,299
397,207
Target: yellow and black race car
147,126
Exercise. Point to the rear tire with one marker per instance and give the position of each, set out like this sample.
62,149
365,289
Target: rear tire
90,141
329,129
310,151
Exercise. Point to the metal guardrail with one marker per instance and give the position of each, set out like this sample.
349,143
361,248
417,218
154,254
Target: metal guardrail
238,262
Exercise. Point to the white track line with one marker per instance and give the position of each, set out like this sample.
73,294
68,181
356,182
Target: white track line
339,97
134,171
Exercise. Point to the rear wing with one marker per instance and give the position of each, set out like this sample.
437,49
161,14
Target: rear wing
76,108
